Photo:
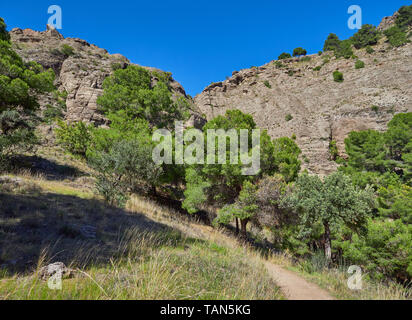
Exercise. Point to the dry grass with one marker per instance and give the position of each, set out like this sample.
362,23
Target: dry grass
154,255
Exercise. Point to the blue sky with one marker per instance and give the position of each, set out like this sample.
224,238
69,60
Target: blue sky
200,41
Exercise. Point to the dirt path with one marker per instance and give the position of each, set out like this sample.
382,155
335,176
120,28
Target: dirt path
295,287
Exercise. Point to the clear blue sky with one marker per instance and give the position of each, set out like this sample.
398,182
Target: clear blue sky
199,41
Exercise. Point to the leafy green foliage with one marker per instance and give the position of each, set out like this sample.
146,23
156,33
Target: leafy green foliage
332,43
126,166
20,84
404,19
74,138
338,76
284,55
288,117
385,251
369,50
67,50
330,203
130,93
4,35
396,36
368,35
243,209
359,64
299,52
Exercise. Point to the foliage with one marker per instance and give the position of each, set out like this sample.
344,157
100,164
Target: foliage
404,19
127,166
284,55
359,64
369,50
130,93
267,84
385,251
67,50
288,117
396,36
74,137
332,43
368,35
20,84
330,203
338,76
299,52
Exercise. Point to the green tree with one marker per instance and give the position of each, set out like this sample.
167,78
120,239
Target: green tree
244,209
4,35
284,55
396,36
299,52
385,250
333,203
338,76
368,35
74,137
20,85
332,43
131,93
404,19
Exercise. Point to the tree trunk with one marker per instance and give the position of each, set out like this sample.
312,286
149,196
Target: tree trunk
153,191
328,243
243,230
237,226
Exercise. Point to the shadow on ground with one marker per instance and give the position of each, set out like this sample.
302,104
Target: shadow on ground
66,227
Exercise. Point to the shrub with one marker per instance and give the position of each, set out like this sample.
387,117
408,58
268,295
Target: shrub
338,76
74,138
305,59
359,64
4,35
396,36
375,108
267,84
299,52
284,55
368,35
317,68
52,113
288,117
344,50
67,50
369,50
332,43
404,19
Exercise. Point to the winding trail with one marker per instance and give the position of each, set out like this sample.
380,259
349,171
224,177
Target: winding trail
295,287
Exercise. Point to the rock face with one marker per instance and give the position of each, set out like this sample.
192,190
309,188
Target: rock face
80,74
322,109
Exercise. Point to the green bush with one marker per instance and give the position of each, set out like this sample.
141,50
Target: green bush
396,36
4,35
52,113
67,50
369,50
385,251
344,50
284,55
375,108
74,138
404,19
338,76
368,35
305,59
332,43
299,52
267,84
359,64
288,117
317,68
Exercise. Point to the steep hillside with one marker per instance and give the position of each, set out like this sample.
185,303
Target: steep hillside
80,69
293,97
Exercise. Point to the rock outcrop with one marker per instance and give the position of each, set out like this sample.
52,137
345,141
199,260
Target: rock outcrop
79,74
321,109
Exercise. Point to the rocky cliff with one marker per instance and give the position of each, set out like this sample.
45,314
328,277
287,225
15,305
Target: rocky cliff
79,73
294,97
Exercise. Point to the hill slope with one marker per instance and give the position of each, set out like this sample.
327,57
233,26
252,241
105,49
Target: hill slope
322,110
